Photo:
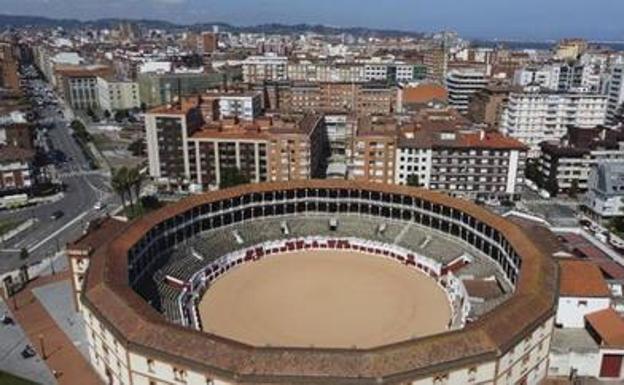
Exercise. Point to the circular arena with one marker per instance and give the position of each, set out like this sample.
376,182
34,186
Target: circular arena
324,299
321,282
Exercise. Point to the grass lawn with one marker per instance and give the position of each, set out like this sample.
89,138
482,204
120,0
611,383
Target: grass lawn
9,379
8,225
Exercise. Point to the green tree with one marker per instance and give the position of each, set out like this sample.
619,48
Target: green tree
138,147
232,176
135,183
120,184
107,114
617,225
574,187
24,254
533,173
552,187
413,180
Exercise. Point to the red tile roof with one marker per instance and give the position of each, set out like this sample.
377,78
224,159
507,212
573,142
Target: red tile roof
609,325
424,93
581,279
108,294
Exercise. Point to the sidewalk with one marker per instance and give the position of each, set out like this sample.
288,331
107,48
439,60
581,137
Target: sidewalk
60,353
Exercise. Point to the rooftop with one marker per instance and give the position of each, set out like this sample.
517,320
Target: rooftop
120,308
609,326
581,279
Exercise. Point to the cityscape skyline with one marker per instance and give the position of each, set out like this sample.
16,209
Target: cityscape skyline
481,19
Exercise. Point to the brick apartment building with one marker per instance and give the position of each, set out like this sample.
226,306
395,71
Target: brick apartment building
360,98
439,151
9,64
186,152
372,150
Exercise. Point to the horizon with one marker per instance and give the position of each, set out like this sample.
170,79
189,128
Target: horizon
487,19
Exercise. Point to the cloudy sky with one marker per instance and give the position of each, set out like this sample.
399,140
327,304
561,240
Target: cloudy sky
534,19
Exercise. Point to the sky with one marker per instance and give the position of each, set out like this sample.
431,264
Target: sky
512,19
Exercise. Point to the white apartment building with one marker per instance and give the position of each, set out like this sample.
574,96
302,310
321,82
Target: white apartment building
534,115
462,85
244,107
117,95
473,163
326,72
560,76
545,77
615,92
123,95
269,67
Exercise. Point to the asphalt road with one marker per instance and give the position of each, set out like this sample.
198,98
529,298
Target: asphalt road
84,189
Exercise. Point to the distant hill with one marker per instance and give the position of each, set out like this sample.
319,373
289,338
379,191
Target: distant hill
16,21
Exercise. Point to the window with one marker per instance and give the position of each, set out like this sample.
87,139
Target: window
179,374
150,365
472,374
441,379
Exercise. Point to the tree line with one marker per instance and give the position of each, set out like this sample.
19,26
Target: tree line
127,183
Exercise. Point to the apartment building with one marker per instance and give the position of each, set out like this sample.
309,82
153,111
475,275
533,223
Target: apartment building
435,60
222,146
167,130
159,88
209,42
570,49
9,63
361,98
486,105
325,71
84,87
615,90
372,151
470,163
270,67
299,148
224,105
462,85
562,77
568,162
185,152
119,94
535,115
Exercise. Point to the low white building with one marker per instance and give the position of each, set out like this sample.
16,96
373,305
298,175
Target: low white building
604,199
582,290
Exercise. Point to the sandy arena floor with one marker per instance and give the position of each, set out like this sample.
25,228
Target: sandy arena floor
324,299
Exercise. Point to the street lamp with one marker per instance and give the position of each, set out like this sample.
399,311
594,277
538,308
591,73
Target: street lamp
42,346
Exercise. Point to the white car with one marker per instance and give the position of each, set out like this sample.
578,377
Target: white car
98,206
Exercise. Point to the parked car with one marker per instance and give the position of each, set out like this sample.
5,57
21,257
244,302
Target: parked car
57,215
28,352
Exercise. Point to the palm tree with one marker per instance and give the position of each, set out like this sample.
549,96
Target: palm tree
135,182
120,184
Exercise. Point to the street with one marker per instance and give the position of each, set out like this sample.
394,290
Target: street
84,187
